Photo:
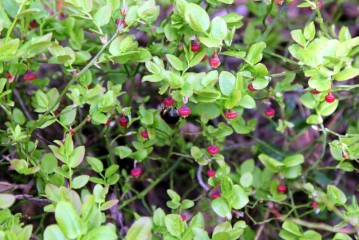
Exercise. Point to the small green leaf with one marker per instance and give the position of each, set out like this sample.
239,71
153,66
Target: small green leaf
175,62
18,116
309,31
227,82
246,179
239,198
102,232
196,17
226,187
346,74
6,200
95,163
76,156
174,224
220,207
122,151
108,204
48,163
68,220
247,102
292,228
298,36
272,164
187,204
103,15
80,181
326,109
335,195
53,232
218,28
293,160
314,119
255,53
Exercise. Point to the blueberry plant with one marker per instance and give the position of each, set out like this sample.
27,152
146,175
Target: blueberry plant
179,119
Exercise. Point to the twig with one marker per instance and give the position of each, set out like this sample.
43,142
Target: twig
32,198
6,186
261,228
322,226
200,180
22,105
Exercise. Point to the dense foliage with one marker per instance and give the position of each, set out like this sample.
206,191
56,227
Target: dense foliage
180,119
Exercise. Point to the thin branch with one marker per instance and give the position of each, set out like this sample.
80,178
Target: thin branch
261,228
200,180
32,198
22,105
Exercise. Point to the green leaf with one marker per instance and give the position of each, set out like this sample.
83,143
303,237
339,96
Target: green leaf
246,179
76,156
298,36
174,224
41,99
6,200
197,221
159,217
221,236
234,99
226,1
292,228
346,74
20,165
292,172
196,17
95,163
68,220
335,195
109,204
260,83
68,115
53,232
226,187
220,207
187,204
239,199
48,163
210,42
200,234
103,15
272,164
311,235
247,102
326,109
314,119
341,236
255,53
218,28
111,170
8,49
18,116
308,100
80,181
175,62
227,82
99,233
309,31
208,95
293,160
284,234
123,151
